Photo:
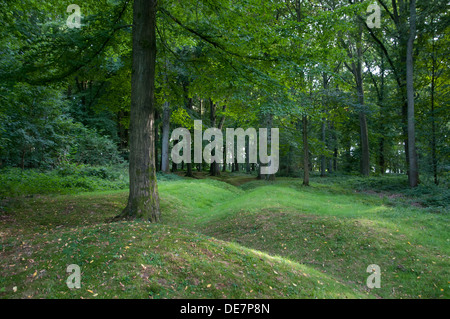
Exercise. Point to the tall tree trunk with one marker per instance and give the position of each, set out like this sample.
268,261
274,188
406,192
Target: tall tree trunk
298,10
189,106
323,126
247,155
364,135
356,69
200,165
174,165
381,157
213,171
143,200
224,165
221,124
382,160
328,144
333,147
305,151
165,138
157,116
189,170
269,177
365,160
433,121
335,158
413,165
322,157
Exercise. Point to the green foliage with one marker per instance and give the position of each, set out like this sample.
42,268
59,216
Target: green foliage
36,132
66,179
33,127
395,188
89,147
163,177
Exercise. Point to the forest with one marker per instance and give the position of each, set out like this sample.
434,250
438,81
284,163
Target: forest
252,149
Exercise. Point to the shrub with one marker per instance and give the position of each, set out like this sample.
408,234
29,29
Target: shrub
67,179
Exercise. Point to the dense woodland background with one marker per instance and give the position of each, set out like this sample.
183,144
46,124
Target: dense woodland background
311,67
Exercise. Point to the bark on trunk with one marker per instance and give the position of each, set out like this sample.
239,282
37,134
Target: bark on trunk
269,177
143,200
356,69
165,138
322,157
364,135
413,165
213,171
156,129
433,122
247,156
323,127
305,151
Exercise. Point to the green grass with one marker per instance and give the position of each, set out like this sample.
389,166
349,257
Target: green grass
238,239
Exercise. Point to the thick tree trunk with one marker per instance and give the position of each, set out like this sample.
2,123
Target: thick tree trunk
413,165
143,200
165,138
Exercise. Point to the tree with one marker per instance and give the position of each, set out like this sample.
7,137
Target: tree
355,52
165,138
412,154
143,200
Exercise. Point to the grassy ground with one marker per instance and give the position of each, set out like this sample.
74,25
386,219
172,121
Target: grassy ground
229,238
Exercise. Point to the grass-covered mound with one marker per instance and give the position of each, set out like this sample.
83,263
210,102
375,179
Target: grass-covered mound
217,240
